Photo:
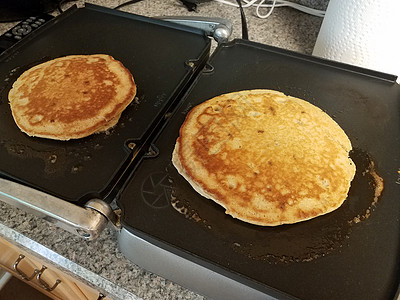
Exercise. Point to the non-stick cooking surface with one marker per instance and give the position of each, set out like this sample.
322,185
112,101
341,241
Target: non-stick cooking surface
157,54
351,253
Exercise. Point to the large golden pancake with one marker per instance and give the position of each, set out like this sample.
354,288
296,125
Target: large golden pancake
267,158
71,97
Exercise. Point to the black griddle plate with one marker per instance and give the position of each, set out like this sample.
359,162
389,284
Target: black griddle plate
156,53
329,257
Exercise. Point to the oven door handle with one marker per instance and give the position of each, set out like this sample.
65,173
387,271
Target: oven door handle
86,222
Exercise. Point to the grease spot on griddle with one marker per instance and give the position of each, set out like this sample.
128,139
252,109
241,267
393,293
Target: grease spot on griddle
76,168
184,208
160,99
56,160
87,157
53,158
377,185
77,156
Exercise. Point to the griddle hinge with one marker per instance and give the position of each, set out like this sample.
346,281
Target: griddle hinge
105,209
85,222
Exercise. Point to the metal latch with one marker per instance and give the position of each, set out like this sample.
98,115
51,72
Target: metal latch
220,29
87,222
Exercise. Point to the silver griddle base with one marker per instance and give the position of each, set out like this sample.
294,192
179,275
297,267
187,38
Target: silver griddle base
184,272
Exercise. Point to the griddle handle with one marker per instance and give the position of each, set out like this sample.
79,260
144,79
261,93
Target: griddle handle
220,29
84,222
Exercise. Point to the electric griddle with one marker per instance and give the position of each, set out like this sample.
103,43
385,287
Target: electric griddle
164,225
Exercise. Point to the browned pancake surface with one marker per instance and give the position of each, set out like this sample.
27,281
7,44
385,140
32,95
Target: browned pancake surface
269,159
72,96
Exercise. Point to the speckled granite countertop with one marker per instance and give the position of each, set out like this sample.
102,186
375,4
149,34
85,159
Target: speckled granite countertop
99,262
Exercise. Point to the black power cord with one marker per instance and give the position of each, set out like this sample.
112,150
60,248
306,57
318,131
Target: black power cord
59,7
245,33
190,5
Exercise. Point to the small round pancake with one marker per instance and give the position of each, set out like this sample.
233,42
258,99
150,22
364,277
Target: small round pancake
71,97
267,158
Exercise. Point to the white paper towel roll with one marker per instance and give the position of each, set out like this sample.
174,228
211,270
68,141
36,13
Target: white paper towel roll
364,33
